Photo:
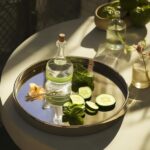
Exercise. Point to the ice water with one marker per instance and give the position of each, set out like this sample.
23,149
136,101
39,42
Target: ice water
115,35
59,81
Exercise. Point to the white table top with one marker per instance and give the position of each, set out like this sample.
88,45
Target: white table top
130,133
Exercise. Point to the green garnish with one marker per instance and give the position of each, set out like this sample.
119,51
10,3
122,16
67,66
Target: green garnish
81,77
73,113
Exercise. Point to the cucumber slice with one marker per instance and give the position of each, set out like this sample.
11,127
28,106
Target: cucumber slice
106,102
91,112
85,92
91,105
77,99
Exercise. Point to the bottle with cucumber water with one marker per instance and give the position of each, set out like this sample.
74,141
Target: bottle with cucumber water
59,72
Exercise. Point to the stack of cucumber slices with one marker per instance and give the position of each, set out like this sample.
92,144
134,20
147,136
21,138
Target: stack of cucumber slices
103,102
80,103
91,108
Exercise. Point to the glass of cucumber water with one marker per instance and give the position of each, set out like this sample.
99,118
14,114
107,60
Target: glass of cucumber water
116,34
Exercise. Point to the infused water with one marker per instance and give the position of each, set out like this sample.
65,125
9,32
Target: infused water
115,36
139,77
59,80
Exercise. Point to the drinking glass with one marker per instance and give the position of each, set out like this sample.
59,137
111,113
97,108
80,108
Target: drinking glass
116,34
141,72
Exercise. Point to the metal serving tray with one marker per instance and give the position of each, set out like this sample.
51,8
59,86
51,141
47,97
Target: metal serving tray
106,80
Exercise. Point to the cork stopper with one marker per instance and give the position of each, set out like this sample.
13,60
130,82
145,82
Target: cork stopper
61,37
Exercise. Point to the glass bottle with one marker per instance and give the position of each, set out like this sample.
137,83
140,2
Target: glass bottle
59,72
141,72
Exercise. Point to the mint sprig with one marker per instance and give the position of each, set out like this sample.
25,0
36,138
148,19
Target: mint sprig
74,114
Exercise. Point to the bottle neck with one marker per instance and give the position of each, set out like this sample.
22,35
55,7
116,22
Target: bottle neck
61,46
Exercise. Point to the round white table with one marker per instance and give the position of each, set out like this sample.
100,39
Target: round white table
131,132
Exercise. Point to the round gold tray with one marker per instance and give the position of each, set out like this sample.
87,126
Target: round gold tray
106,80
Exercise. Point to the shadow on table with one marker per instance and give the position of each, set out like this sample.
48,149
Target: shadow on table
94,39
5,141
97,37
135,34
29,134
140,101
140,96
146,144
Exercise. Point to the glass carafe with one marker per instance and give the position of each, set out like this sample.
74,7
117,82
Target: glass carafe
59,72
